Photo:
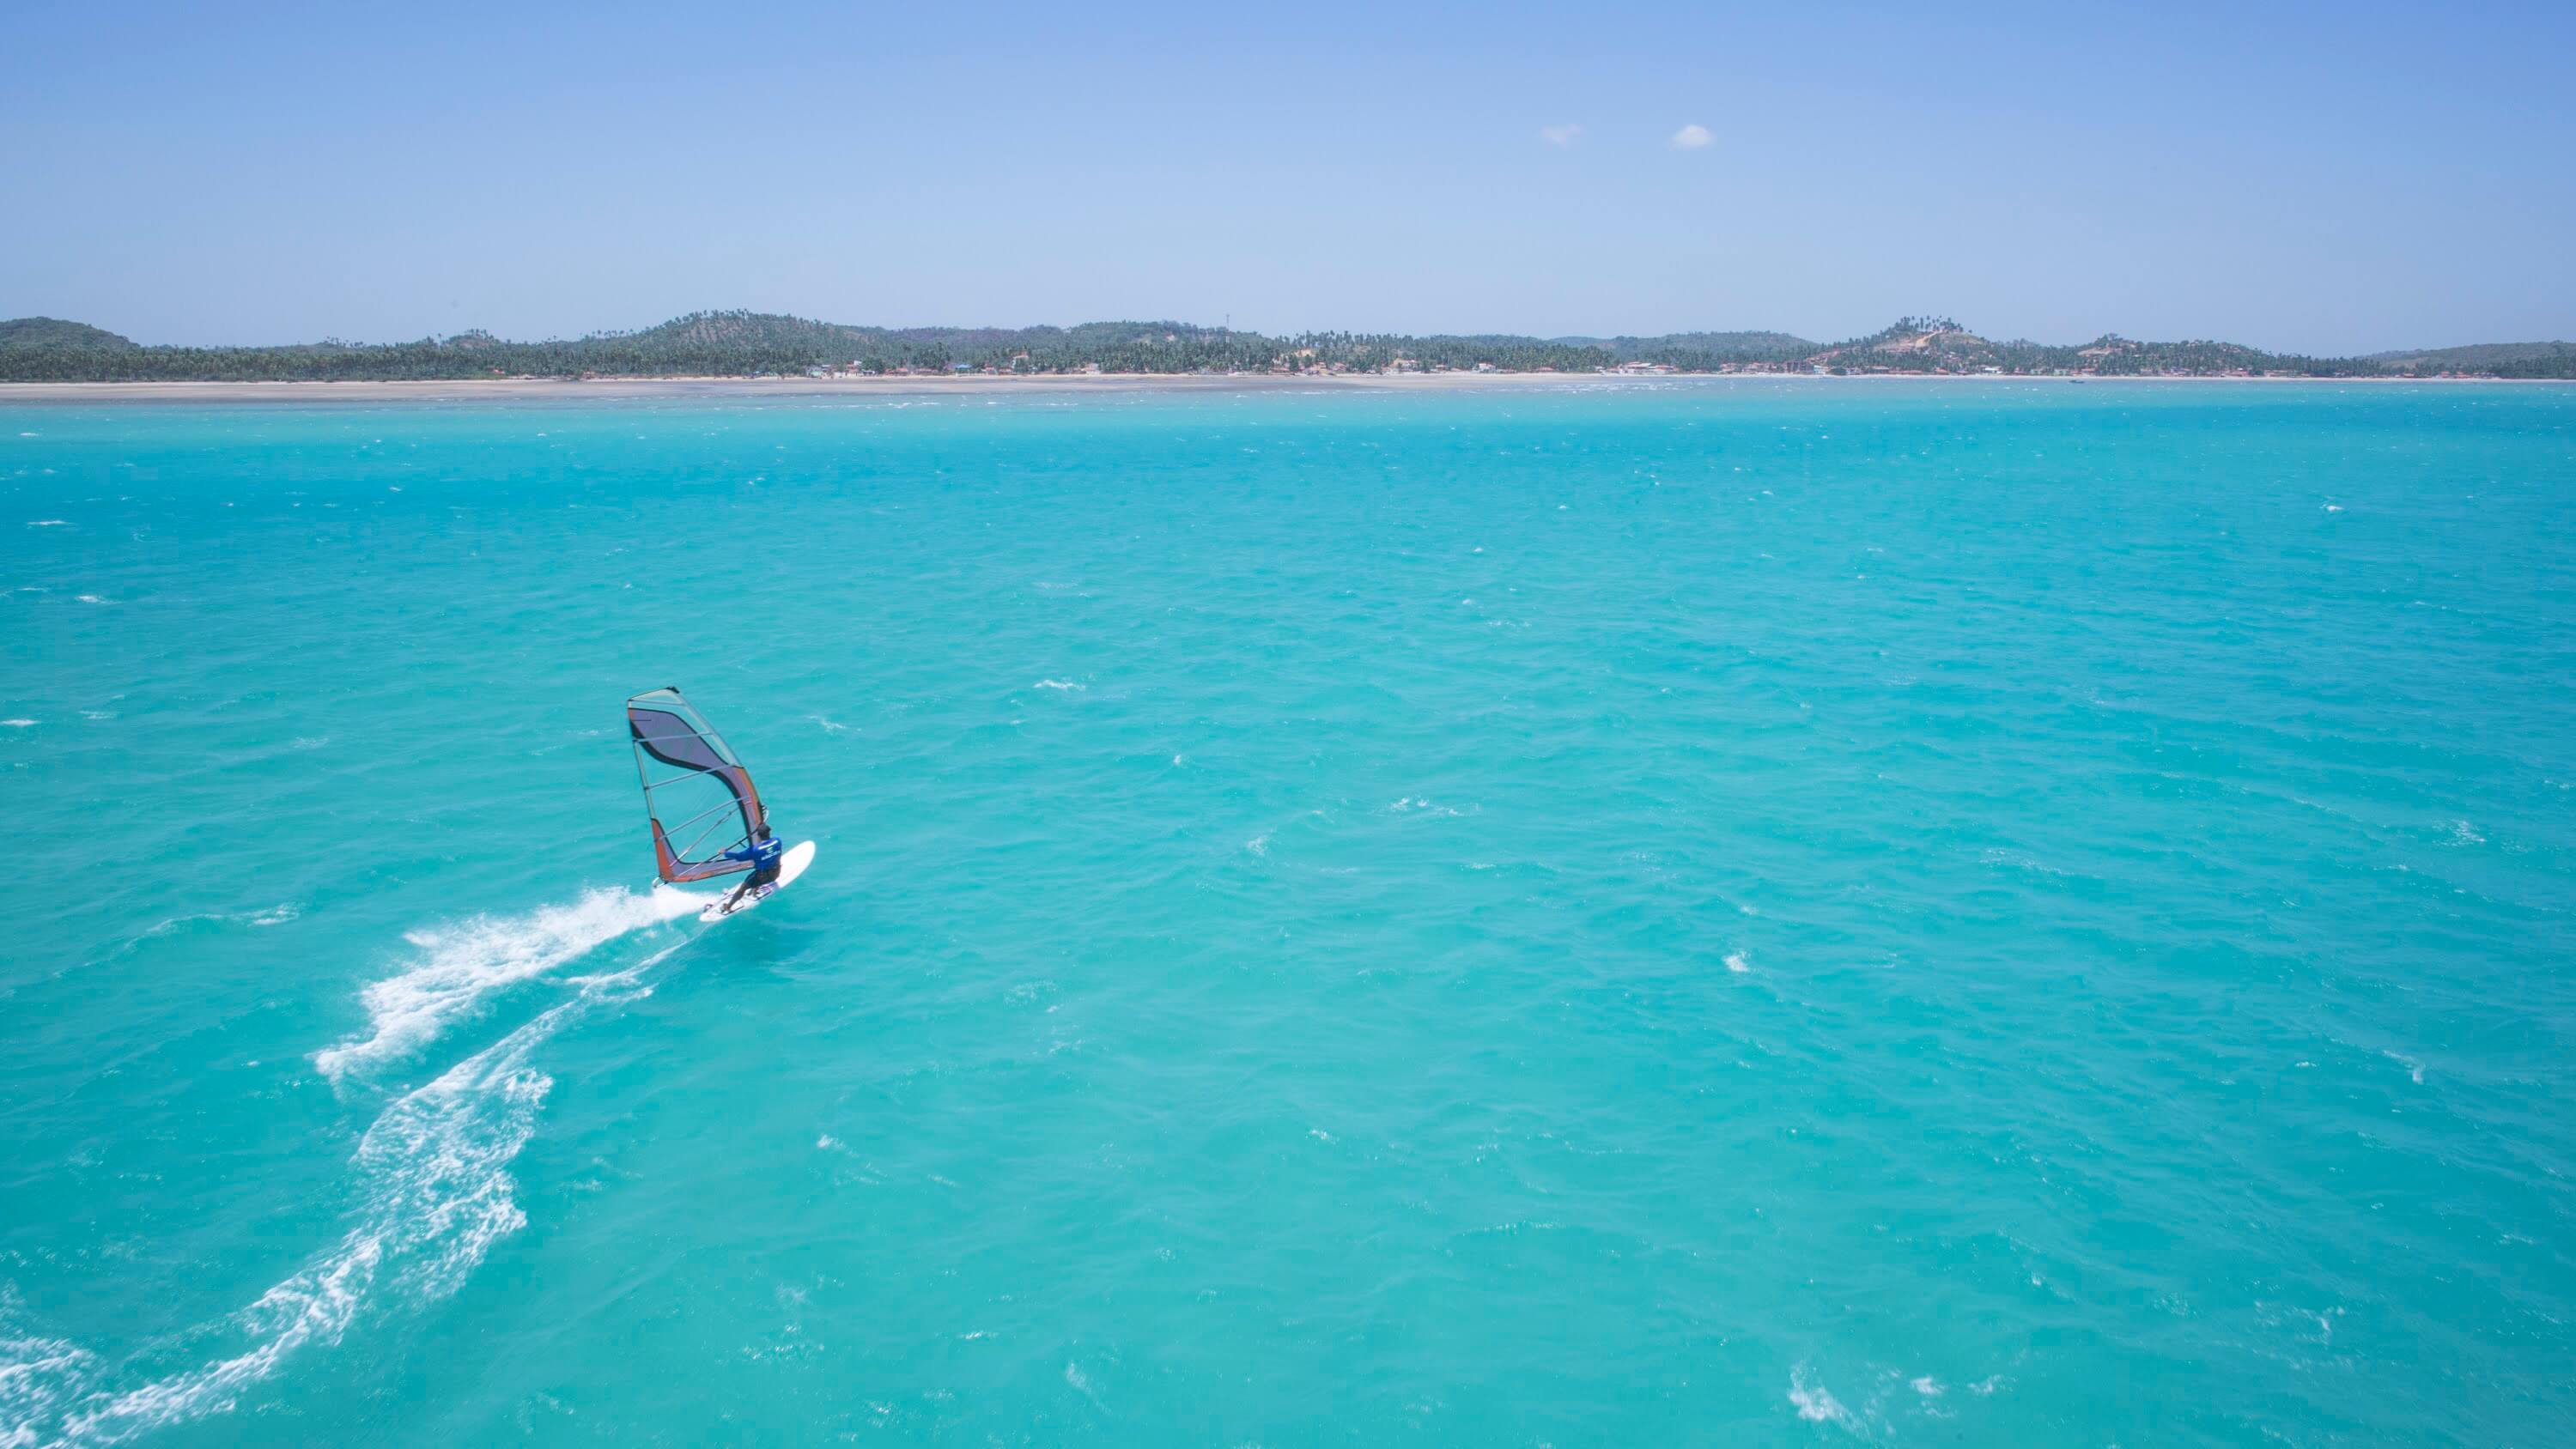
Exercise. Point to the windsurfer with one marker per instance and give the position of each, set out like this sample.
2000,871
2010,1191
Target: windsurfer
763,855
696,791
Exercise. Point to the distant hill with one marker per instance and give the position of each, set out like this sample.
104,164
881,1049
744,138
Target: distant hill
55,332
749,344
1939,344
2481,355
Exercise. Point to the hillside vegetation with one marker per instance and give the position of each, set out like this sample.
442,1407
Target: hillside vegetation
55,332
743,344
2505,359
1699,349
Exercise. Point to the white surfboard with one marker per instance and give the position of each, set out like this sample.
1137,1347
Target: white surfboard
790,866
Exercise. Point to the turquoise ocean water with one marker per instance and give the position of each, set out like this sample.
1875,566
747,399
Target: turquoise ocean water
1757,913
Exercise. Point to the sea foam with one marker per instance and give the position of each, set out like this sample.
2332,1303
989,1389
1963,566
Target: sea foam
460,965
435,1195
38,1376
1815,1403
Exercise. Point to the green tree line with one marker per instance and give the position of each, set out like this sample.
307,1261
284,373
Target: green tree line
740,344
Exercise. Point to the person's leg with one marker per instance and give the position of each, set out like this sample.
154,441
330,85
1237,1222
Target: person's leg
751,886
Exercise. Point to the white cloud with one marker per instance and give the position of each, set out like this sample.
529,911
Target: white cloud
1692,138
1560,135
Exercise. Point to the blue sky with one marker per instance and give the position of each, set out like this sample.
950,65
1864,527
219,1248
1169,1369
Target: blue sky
2325,178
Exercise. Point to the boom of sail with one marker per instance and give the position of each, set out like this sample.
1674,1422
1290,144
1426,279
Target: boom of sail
707,818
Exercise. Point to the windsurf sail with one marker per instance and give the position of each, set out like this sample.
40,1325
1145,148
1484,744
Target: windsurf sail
707,817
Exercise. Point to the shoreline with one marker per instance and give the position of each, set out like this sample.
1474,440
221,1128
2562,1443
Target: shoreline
617,388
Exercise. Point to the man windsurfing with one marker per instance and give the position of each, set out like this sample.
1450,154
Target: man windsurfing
707,817
763,855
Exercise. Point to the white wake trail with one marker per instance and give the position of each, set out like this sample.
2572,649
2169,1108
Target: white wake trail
38,1375
435,1189
460,965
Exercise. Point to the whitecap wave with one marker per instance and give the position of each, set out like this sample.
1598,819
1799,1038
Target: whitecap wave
1411,804
461,965
1815,1403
